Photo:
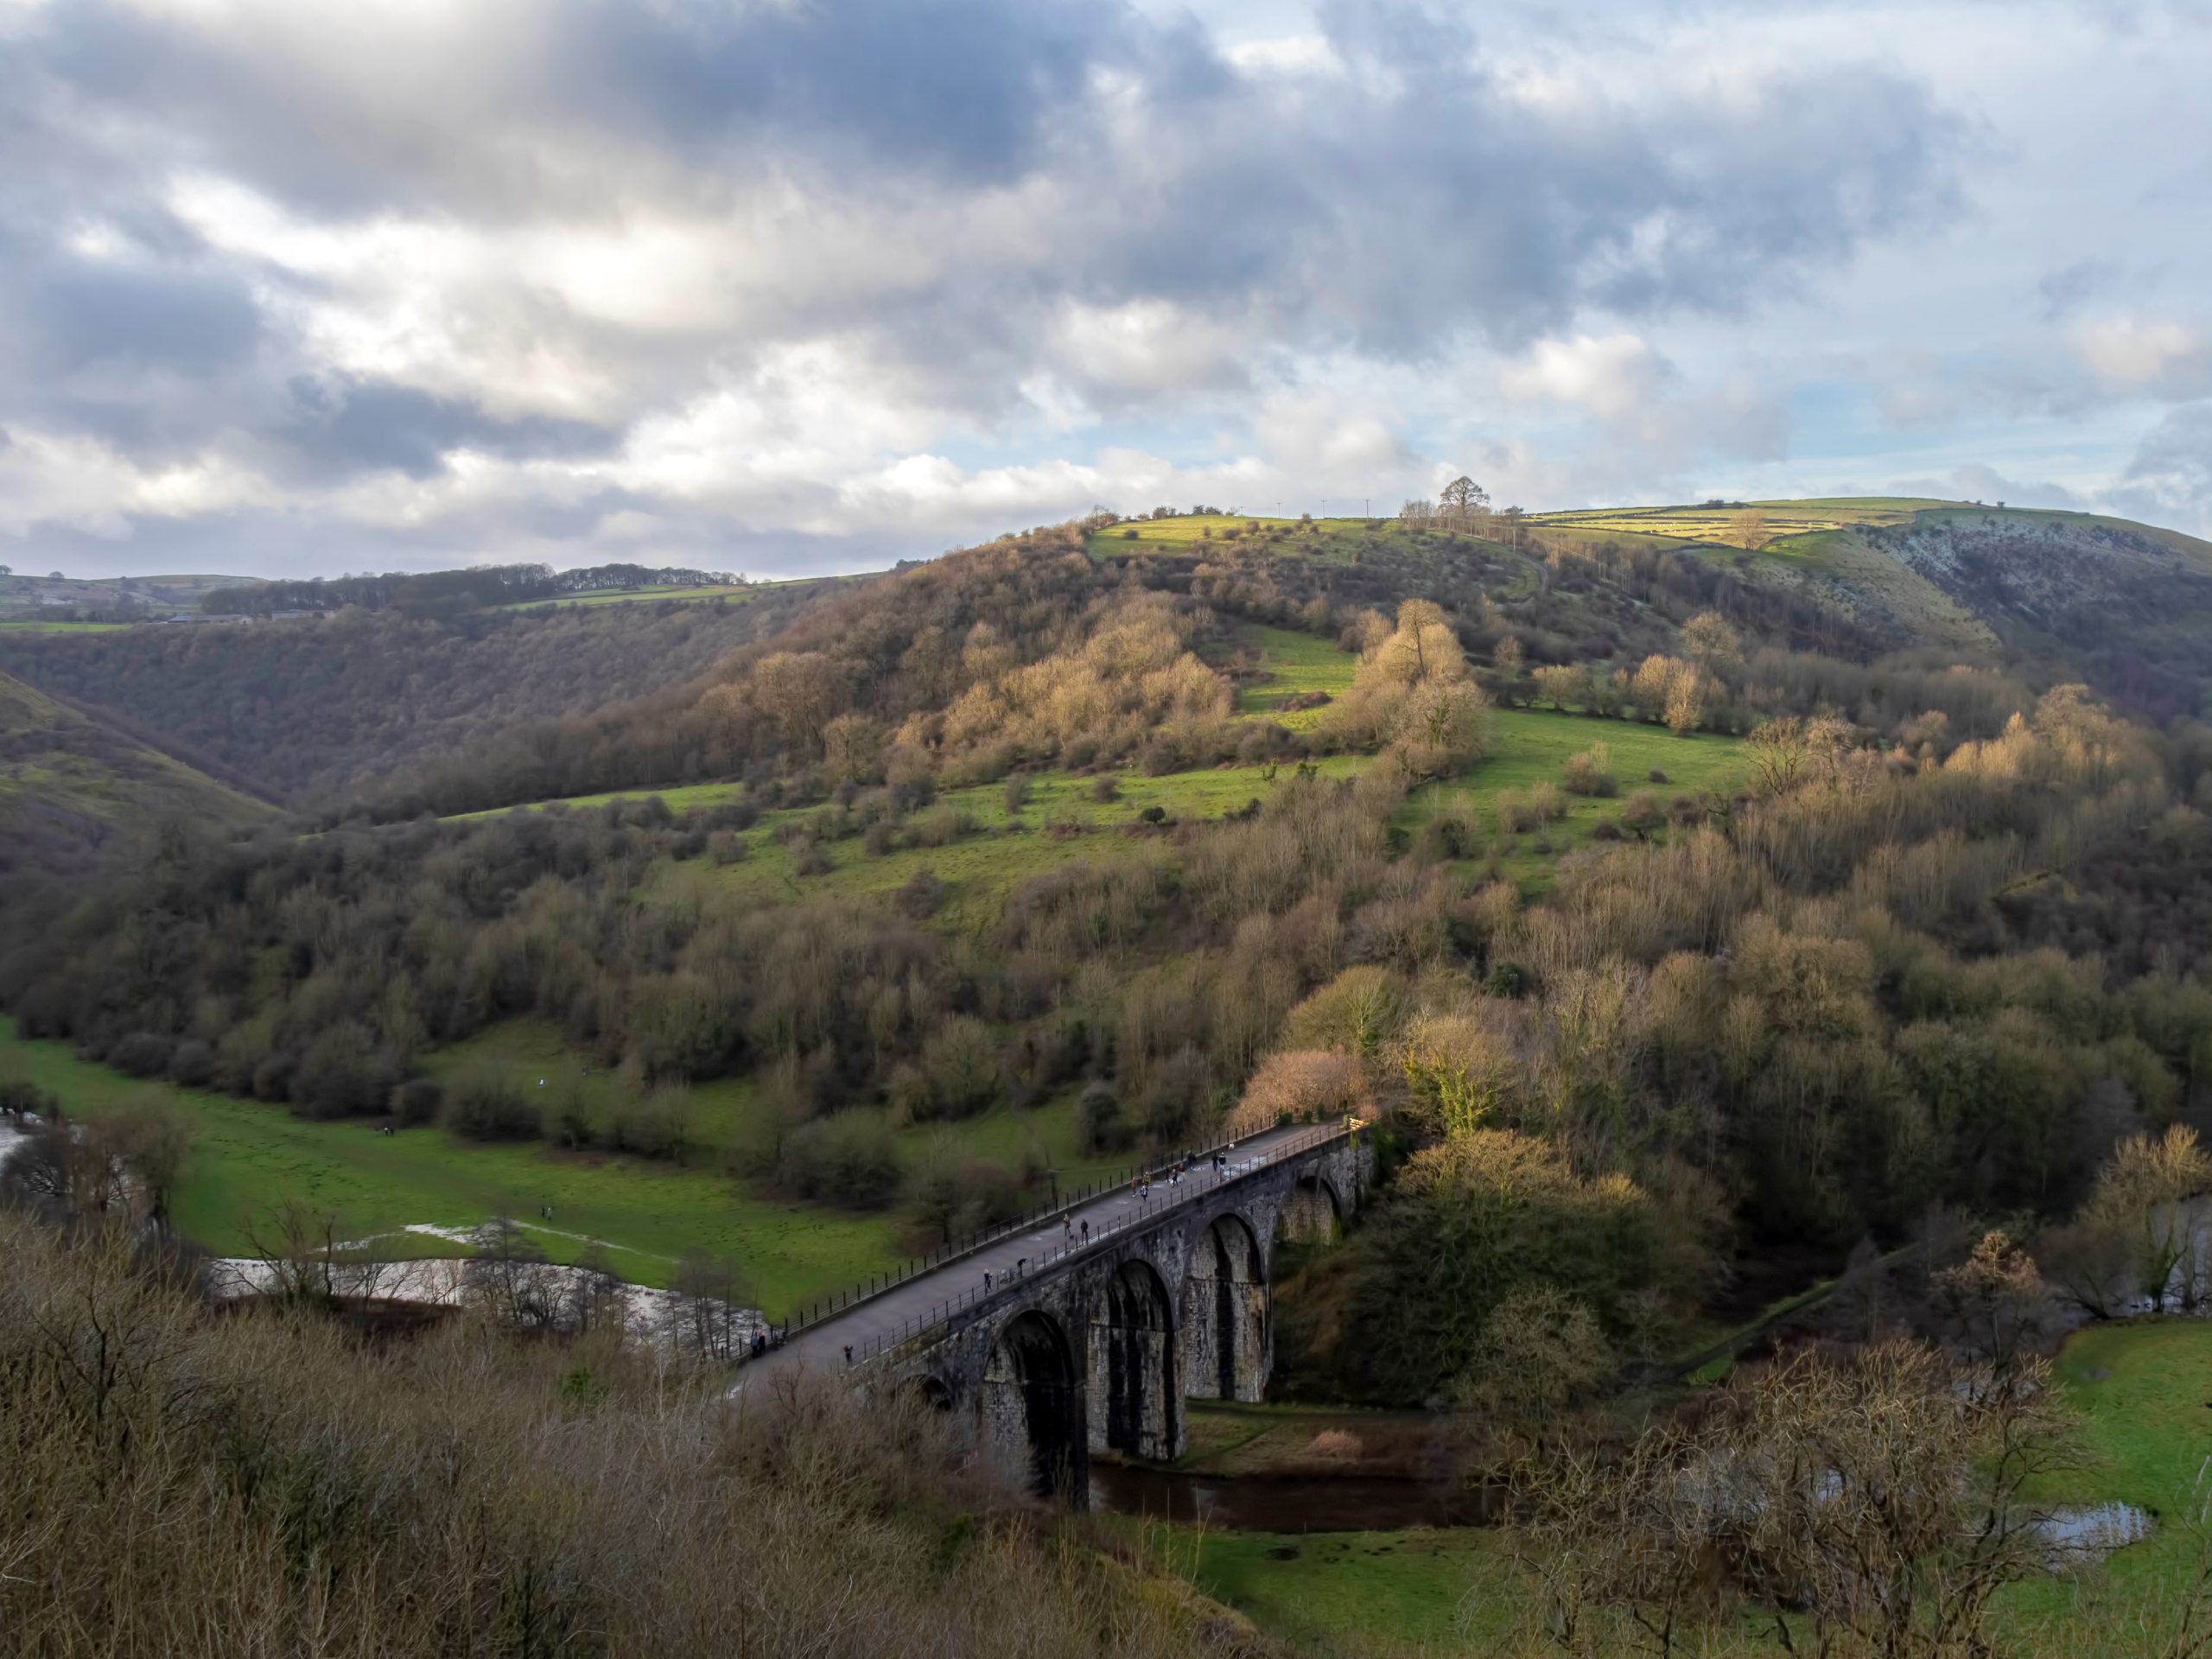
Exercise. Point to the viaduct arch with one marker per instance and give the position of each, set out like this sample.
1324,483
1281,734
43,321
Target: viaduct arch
1094,1341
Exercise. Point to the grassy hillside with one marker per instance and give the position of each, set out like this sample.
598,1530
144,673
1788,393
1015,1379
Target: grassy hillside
314,708
1722,524
70,783
980,845
2125,606
720,594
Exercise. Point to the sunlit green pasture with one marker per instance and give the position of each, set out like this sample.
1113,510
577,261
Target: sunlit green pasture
1337,540
734,594
248,1159
987,849
1292,665
2144,1393
984,850
1720,525
633,595
1531,746
1360,1595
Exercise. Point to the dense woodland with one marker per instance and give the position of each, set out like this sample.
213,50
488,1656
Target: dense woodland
1934,971
1942,950
314,709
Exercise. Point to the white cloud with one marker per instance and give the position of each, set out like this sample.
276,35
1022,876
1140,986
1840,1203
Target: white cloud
1613,376
2163,358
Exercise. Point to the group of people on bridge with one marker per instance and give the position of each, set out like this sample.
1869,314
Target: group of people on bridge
1181,1167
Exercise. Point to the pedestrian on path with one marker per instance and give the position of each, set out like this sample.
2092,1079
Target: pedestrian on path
1086,1231
849,1353
987,1280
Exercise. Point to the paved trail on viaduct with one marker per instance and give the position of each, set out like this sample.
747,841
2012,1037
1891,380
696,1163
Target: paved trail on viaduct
1086,1330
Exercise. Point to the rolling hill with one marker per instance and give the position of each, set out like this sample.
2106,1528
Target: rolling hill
315,709
2127,606
25,597
73,784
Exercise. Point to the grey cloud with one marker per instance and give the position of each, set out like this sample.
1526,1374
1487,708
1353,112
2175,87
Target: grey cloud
1387,211
2067,289
2176,456
1395,212
80,313
971,88
339,425
1390,213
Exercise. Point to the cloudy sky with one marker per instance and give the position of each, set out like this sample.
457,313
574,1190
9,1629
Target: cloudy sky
792,285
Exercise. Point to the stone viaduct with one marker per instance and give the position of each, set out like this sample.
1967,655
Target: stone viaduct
1096,1345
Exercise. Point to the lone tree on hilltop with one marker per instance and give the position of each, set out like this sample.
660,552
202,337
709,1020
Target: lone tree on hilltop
1462,495
1750,529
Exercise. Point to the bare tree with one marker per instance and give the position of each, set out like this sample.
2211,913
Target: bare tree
1875,1506
509,1277
594,1299
713,1290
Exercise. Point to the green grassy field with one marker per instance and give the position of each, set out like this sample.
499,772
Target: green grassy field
734,594
33,625
2143,1390
632,595
247,1158
1336,541
981,868
1293,664
681,797
1531,746
1784,519
727,1116
1364,1595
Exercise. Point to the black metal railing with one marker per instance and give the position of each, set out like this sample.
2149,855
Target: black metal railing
1202,1177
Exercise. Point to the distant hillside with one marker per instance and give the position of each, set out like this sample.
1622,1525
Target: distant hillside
73,784
315,709
25,596
2125,606
449,593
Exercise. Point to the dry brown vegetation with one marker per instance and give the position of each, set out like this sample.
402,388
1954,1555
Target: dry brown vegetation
266,1482
1876,1506
1940,950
